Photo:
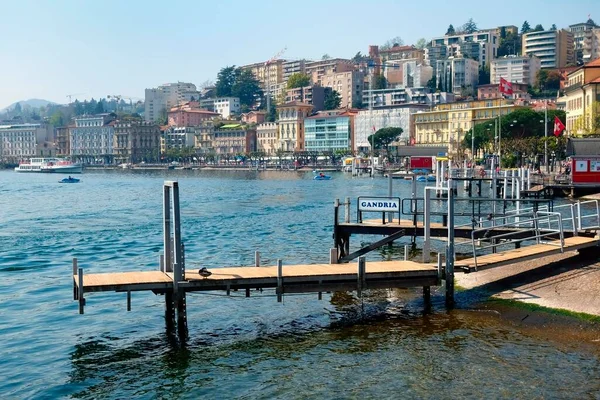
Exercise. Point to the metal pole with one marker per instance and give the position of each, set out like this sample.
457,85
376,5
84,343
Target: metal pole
426,229
390,214
168,263
450,250
546,135
500,140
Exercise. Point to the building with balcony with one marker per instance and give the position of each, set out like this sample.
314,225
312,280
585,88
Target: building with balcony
579,32
178,137
204,136
492,91
92,139
189,114
457,75
161,99
234,139
554,48
293,67
447,124
290,133
266,138
582,99
591,45
480,46
313,95
515,69
21,141
348,84
329,131
317,69
269,74
136,141
405,96
367,122
226,106
63,144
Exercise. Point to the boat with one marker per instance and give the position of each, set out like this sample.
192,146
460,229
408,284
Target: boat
426,178
69,180
47,165
322,177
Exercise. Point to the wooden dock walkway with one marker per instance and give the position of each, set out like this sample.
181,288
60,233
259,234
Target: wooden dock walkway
293,279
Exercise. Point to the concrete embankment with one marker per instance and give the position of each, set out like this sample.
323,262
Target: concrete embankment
564,281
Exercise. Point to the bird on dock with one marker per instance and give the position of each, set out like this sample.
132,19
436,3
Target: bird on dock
204,272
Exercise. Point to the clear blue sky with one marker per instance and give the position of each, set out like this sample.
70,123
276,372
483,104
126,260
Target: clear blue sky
51,48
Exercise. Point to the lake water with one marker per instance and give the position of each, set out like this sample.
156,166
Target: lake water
339,347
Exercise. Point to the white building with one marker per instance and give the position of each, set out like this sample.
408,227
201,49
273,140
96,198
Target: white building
92,139
227,106
368,122
457,75
159,100
416,75
25,140
555,49
405,96
179,137
515,69
481,46
591,45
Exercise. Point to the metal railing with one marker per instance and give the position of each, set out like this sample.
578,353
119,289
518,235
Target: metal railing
594,216
528,220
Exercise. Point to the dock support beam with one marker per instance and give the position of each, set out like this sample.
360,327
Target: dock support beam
75,292
80,291
279,281
361,276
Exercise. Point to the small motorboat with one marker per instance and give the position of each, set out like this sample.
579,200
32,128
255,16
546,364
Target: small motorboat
321,177
69,180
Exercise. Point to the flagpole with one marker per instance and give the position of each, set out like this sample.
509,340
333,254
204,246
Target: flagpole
546,134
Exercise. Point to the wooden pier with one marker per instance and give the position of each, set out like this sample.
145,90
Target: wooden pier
173,281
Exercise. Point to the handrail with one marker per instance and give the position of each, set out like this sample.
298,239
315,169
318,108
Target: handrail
538,234
580,217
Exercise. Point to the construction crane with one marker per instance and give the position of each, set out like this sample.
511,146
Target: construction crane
267,76
70,96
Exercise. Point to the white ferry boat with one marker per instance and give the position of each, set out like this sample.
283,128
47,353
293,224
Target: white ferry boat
57,165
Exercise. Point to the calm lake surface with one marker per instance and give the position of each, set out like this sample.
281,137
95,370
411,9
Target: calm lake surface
339,347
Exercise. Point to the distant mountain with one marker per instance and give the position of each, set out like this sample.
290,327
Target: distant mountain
34,103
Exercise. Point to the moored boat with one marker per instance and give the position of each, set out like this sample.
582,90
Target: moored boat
58,165
69,180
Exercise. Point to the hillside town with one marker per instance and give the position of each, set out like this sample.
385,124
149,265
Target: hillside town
455,94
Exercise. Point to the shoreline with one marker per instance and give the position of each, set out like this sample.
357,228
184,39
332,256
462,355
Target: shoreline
565,284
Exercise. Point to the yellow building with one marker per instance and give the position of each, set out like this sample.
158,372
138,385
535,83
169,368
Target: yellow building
290,132
448,124
582,99
271,72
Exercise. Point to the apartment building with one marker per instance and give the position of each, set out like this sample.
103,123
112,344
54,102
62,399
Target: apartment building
268,73
447,124
579,32
226,106
92,139
480,46
234,139
367,122
21,141
405,96
582,98
492,91
348,84
515,69
318,69
178,137
313,95
292,67
554,48
457,75
135,142
203,137
189,114
63,144
290,133
266,138
161,99
329,131
591,45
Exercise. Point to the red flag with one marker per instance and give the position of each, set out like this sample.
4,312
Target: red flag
559,127
505,86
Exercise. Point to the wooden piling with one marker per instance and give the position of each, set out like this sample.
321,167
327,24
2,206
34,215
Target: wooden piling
279,281
347,210
80,291
427,296
257,258
333,256
361,276
129,300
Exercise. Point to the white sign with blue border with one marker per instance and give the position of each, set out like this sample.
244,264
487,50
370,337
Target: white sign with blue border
383,204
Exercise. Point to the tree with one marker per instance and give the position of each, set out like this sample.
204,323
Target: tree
299,79
511,44
552,80
588,123
99,108
525,28
553,27
272,113
225,81
358,57
325,57
78,109
379,82
538,28
432,83
57,119
540,79
484,75
247,88
393,42
451,30
357,103
470,26
384,137
421,43
502,32
333,100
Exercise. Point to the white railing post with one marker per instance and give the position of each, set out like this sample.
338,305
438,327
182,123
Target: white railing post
574,219
426,228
